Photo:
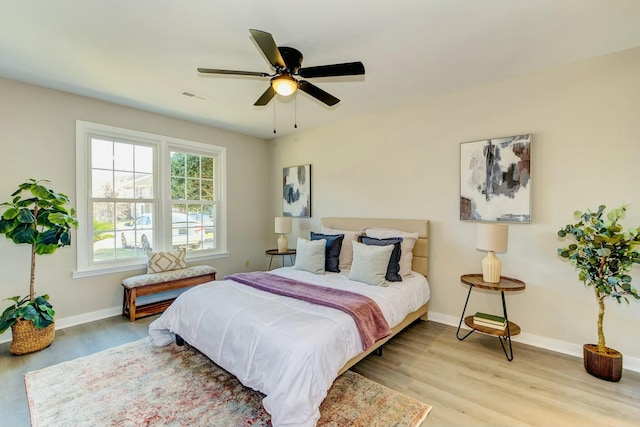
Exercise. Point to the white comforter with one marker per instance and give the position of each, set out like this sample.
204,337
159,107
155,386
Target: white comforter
289,350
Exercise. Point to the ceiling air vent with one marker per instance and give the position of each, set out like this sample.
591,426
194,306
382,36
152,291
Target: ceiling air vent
194,95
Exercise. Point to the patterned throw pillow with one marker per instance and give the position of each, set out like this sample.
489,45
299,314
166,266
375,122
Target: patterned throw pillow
166,261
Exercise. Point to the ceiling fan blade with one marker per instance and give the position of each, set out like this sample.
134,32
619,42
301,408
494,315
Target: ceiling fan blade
265,97
318,93
233,72
346,69
269,48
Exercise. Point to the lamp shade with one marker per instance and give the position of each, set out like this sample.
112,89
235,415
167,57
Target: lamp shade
284,85
492,237
283,224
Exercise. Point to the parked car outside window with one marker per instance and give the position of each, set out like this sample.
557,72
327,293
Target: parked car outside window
185,232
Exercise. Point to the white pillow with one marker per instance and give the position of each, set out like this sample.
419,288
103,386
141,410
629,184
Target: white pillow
346,251
406,247
310,255
370,263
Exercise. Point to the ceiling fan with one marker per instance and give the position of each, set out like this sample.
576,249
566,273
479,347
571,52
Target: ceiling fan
287,62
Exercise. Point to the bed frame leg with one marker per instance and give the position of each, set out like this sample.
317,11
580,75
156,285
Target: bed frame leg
179,340
378,351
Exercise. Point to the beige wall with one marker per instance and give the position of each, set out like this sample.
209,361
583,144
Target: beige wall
405,164
37,140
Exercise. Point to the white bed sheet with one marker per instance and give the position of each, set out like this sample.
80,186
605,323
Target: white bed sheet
290,350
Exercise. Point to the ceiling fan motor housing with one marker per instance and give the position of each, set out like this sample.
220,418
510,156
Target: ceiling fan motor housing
292,58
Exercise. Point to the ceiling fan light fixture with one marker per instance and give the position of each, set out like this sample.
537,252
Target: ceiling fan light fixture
284,85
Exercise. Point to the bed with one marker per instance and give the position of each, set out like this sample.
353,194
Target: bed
288,349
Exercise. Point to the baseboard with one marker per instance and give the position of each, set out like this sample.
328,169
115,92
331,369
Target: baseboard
630,363
75,320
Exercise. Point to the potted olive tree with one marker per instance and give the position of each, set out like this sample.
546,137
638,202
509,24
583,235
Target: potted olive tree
603,254
37,216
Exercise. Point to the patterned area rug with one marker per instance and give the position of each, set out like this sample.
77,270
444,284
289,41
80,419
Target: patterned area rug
138,384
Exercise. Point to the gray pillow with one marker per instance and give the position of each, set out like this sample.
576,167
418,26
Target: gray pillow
393,268
370,263
310,255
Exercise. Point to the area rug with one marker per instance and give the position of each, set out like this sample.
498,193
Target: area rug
138,384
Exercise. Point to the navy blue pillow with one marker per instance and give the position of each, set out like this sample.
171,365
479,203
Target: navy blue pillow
393,269
332,251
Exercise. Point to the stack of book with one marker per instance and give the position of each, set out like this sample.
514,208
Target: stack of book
489,321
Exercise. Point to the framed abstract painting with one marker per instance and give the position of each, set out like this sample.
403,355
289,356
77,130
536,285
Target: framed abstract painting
296,191
495,179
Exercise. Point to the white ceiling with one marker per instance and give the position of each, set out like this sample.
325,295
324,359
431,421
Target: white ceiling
144,53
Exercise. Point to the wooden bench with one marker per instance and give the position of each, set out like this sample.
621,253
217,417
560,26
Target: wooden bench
156,283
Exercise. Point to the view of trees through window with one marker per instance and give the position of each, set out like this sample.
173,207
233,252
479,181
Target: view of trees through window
193,195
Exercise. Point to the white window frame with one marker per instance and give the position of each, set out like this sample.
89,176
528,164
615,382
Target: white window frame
162,196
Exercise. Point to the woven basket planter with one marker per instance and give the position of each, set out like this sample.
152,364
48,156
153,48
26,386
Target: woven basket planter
28,339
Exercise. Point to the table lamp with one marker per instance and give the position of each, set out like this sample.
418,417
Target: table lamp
492,238
283,226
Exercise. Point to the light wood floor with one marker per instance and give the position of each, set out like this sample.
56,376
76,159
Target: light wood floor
469,383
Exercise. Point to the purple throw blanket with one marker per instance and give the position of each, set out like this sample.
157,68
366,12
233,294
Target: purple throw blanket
365,312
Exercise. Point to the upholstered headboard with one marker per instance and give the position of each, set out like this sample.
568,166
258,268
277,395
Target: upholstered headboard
420,250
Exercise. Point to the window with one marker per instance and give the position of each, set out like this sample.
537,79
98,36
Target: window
139,192
192,193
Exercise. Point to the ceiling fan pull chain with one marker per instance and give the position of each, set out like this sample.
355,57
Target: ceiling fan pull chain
295,113
274,117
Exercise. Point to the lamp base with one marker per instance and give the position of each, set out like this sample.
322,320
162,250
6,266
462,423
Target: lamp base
283,243
491,268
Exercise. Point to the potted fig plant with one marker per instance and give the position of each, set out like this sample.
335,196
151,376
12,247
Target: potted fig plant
603,254
37,216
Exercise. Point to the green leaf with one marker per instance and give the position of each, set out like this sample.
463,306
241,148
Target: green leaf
46,249
5,226
44,204
42,300
49,237
65,239
40,322
41,192
10,213
58,218
6,323
25,216
29,312
23,233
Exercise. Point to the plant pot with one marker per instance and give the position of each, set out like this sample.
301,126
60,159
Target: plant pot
606,366
28,339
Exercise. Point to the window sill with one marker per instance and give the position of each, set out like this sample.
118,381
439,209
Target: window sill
119,269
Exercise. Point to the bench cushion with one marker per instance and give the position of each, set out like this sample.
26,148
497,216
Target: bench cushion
167,276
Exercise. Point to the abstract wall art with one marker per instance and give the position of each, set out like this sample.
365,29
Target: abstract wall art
296,191
495,179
